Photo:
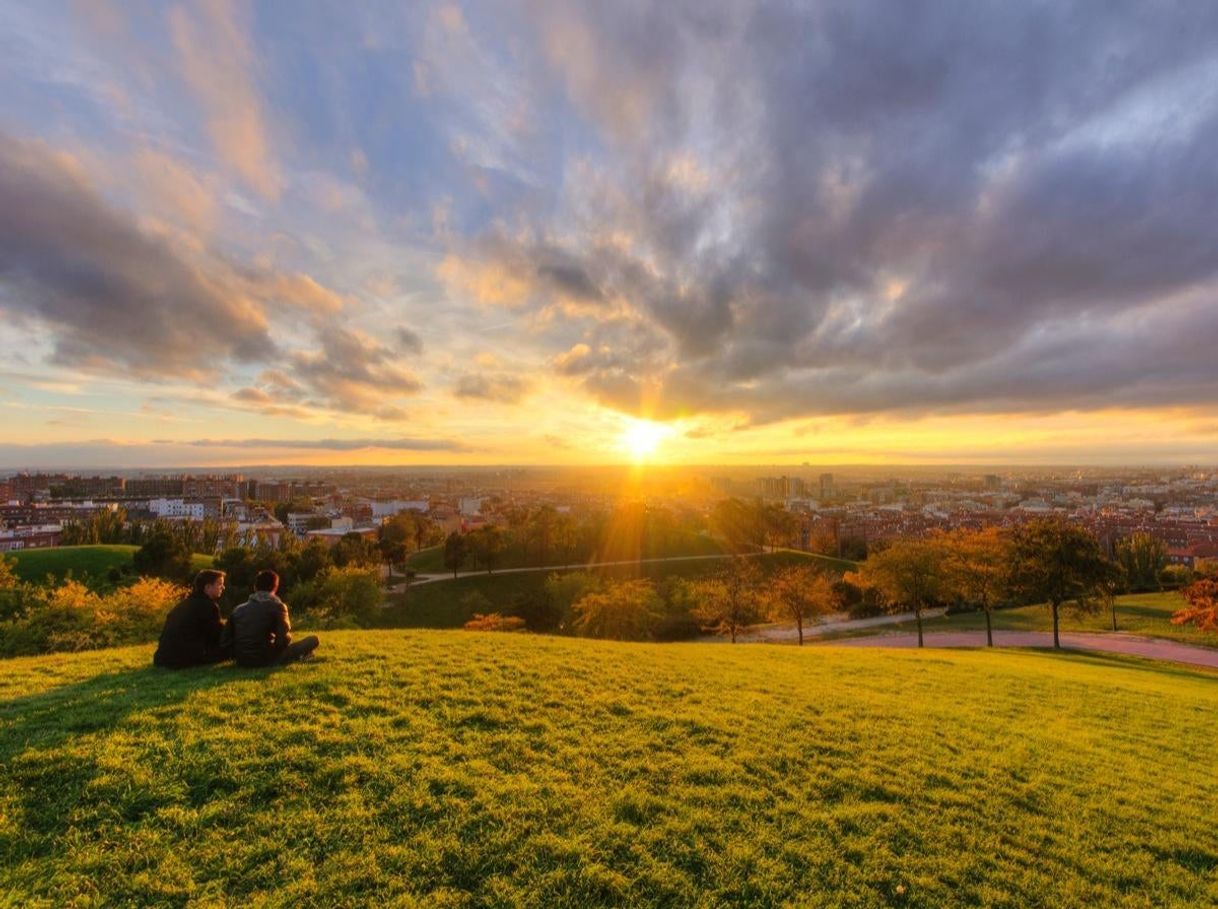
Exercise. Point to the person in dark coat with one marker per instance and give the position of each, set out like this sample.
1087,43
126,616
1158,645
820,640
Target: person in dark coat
193,628
260,631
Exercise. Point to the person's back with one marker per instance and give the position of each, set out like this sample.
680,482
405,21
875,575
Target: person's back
193,629
260,631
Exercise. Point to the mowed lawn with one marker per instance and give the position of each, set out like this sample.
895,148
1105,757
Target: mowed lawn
1147,614
84,563
431,768
444,604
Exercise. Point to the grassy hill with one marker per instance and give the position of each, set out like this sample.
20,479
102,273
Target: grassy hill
83,562
441,604
454,769
1146,614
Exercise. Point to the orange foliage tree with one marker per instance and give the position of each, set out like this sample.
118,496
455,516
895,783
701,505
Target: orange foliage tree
1202,608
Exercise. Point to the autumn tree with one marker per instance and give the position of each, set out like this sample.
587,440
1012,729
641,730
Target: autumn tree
622,611
1057,563
732,601
801,593
909,574
976,563
1202,608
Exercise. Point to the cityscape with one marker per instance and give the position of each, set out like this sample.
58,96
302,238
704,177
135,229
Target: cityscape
569,454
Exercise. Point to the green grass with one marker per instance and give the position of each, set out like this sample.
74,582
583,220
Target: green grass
1147,614
84,563
431,560
439,604
455,769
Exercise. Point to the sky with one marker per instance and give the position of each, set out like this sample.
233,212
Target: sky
582,232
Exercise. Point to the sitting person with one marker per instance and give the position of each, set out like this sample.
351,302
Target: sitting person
260,631
193,628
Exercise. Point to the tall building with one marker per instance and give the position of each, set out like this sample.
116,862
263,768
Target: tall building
826,486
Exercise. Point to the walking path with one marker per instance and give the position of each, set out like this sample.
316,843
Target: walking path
570,566
779,633
1112,642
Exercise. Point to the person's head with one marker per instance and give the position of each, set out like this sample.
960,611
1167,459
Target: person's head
210,582
267,581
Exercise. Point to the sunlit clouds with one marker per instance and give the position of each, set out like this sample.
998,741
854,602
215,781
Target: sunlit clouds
585,232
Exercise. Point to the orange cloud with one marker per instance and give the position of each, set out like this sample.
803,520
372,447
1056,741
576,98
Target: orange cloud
217,63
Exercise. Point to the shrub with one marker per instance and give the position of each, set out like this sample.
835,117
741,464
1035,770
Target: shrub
494,622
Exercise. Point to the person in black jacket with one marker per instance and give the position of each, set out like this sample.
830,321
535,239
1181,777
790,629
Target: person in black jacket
260,631
193,628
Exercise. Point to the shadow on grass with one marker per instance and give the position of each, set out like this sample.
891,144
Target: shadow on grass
1110,659
51,743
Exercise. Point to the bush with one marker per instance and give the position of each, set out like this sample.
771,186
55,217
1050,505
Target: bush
678,628
494,622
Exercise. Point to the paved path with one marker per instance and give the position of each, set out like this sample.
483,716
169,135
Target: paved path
570,566
1113,642
835,624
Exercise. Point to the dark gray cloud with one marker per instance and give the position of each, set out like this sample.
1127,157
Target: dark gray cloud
935,207
115,296
498,387
408,341
353,373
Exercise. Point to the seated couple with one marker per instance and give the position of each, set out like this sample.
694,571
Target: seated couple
257,634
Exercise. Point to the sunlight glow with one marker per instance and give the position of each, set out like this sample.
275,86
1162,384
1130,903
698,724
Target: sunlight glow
641,438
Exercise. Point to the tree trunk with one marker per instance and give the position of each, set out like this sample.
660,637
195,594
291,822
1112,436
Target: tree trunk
1057,642
1114,627
799,623
732,629
989,630
918,616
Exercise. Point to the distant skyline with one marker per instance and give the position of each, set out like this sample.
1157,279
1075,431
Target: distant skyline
581,232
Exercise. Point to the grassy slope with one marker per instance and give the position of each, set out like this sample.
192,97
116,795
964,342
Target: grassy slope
431,560
453,769
439,604
82,561
1146,614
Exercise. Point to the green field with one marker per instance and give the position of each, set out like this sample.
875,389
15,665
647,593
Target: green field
1147,614
453,769
84,563
439,604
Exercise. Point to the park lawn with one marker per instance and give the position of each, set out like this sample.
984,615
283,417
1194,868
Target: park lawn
442,604
431,560
89,564
1146,614
432,768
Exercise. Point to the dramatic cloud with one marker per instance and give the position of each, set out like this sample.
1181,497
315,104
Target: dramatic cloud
120,298
354,373
957,209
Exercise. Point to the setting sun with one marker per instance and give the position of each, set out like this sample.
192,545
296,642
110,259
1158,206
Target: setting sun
641,438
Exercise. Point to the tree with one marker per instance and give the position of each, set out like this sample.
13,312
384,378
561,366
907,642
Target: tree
351,594
356,550
1143,557
486,544
800,593
1057,563
1202,608
908,574
731,602
623,611
454,552
976,562
163,556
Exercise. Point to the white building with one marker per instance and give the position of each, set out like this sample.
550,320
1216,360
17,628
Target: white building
397,506
176,508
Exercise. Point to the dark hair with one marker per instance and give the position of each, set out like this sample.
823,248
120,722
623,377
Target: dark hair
206,578
266,581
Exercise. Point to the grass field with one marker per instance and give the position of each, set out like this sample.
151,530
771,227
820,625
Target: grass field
84,563
431,560
453,769
1147,614
439,604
